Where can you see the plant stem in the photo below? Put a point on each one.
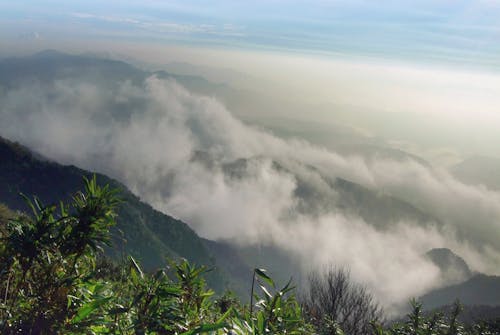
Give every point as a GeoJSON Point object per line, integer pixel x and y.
{"type": "Point", "coordinates": [251, 293]}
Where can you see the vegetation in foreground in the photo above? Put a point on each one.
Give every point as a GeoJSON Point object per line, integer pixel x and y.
{"type": "Point", "coordinates": [54, 279]}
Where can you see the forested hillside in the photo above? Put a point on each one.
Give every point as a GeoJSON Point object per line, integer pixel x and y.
{"type": "Point", "coordinates": [141, 231]}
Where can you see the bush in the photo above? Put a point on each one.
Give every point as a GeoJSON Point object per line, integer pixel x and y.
{"type": "Point", "coordinates": [55, 280]}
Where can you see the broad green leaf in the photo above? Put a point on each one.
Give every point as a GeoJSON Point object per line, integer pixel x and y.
{"type": "Point", "coordinates": [88, 308]}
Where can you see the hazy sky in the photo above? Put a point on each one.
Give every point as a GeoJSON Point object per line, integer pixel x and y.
{"type": "Point", "coordinates": [465, 32]}
{"type": "Point", "coordinates": [423, 75]}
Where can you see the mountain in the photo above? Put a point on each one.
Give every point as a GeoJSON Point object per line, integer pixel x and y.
{"type": "Point", "coordinates": [233, 266]}
{"type": "Point", "coordinates": [146, 234]}
{"type": "Point", "coordinates": [49, 67]}
{"type": "Point", "coordinates": [382, 210]}
{"type": "Point", "coordinates": [237, 263]}
{"type": "Point", "coordinates": [479, 293]}
{"type": "Point", "coordinates": [352, 199]}
{"type": "Point", "coordinates": [453, 268]}
{"type": "Point", "coordinates": [478, 290]}
{"type": "Point", "coordinates": [379, 209]}
{"type": "Point", "coordinates": [141, 231]}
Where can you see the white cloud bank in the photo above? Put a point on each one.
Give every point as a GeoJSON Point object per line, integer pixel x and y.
{"type": "Point", "coordinates": [153, 143]}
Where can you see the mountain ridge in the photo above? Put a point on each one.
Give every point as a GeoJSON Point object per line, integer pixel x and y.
{"type": "Point", "coordinates": [143, 232]}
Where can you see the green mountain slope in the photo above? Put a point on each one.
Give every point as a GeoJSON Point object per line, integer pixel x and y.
{"type": "Point", "coordinates": [146, 234]}
{"type": "Point", "coordinates": [479, 293]}
{"type": "Point", "coordinates": [233, 266]}
{"type": "Point", "coordinates": [478, 290]}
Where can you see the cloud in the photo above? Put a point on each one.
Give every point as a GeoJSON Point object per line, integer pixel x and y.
{"type": "Point", "coordinates": [189, 157]}
{"type": "Point", "coordinates": [153, 25]}
{"type": "Point", "coordinates": [32, 35]}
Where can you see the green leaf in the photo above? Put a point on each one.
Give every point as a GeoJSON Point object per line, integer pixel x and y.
{"type": "Point", "coordinates": [88, 308]}
{"type": "Point", "coordinates": [287, 287]}
{"type": "Point", "coordinates": [260, 323]}
{"type": "Point", "coordinates": [261, 273]}
{"type": "Point", "coordinates": [225, 315]}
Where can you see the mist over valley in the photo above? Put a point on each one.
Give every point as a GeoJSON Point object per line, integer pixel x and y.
{"type": "Point", "coordinates": [370, 208]}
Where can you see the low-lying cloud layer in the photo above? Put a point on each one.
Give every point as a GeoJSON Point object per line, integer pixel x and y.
{"type": "Point", "coordinates": [189, 157]}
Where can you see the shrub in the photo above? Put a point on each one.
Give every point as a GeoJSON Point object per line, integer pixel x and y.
{"type": "Point", "coordinates": [55, 280]}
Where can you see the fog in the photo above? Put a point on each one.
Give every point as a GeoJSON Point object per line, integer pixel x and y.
{"type": "Point", "coordinates": [190, 157]}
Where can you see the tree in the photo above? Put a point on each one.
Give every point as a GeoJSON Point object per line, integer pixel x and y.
{"type": "Point", "coordinates": [332, 300]}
